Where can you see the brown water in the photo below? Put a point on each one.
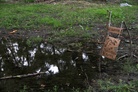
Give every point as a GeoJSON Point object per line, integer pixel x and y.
{"type": "Point", "coordinates": [63, 70]}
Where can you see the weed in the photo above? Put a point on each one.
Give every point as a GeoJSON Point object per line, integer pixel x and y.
{"type": "Point", "coordinates": [55, 89]}
{"type": "Point", "coordinates": [89, 89]}
{"type": "Point", "coordinates": [24, 89]}
{"type": "Point", "coordinates": [107, 85]}
{"type": "Point", "coordinates": [76, 90]}
{"type": "Point", "coordinates": [128, 67]}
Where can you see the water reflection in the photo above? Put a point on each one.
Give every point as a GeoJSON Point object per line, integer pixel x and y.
{"type": "Point", "coordinates": [53, 69]}
{"type": "Point", "coordinates": [62, 68]}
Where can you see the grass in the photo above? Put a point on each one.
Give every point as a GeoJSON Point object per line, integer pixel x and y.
{"type": "Point", "coordinates": [64, 20]}
{"type": "Point", "coordinates": [129, 67]}
{"type": "Point", "coordinates": [33, 40]}
{"type": "Point", "coordinates": [70, 21]}
{"type": "Point", "coordinates": [59, 16]}
{"type": "Point", "coordinates": [107, 85]}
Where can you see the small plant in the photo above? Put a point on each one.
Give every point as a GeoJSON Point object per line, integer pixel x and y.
{"type": "Point", "coordinates": [33, 40]}
{"type": "Point", "coordinates": [55, 89]}
{"type": "Point", "coordinates": [24, 89]}
{"type": "Point", "coordinates": [128, 67]}
{"type": "Point", "coordinates": [76, 90]}
{"type": "Point", "coordinates": [90, 89]}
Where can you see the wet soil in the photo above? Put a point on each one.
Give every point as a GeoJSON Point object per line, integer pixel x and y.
{"type": "Point", "coordinates": [75, 66]}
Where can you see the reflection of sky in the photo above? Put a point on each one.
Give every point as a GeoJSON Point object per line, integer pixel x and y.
{"type": "Point", "coordinates": [15, 46]}
{"type": "Point", "coordinates": [2, 69]}
{"type": "Point", "coordinates": [25, 63]}
{"type": "Point", "coordinates": [2, 63]}
{"type": "Point", "coordinates": [53, 69]}
{"type": "Point", "coordinates": [23, 60]}
{"type": "Point", "coordinates": [41, 45]}
{"type": "Point", "coordinates": [50, 48]}
{"type": "Point", "coordinates": [9, 51]}
{"type": "Point", "coordinates": [32, 52]}
{"type": "Point", "coordinates": [84, 56]}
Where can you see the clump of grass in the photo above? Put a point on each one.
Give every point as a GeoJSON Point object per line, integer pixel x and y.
{"type": "Point", "coordinates": [33, 40]}
{"type": "Point", "coordinates": [129, 67]}
{"type": "Point", "coordinates": [24, 89]}
{"type": "Point", "coordinates": [51, 22]}
{"type": "Point", "coordinates": [107, 85]}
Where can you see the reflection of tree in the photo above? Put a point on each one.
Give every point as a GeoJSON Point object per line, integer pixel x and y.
{"type": "Point", "coordinates": [2, 56]}
{"type": "Point", "coordinates": [72, 68]}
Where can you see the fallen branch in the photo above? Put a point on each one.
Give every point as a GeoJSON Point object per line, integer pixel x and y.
{"type": "Point", "coordinates": [135, 56]}
{"type": "Point", "coordinates": [21, 76]}
{"type": "Point", "coordinates": [130, 40]}
{"type": "Point", "coordinates": [127, 55]}
{"type": "Point", "coordinates": [123, 56]}
{"type": "Point", "coordinates": [87, 52]}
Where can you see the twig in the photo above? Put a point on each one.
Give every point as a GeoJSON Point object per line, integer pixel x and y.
{"type": "Point", "coordinates": [135, 56]}
{"type": "Point", "coordinates": [87, 52]}
{"type": "Point", "coordinates": [109, 18]}
{"type": "Point", "coordinates": [123, 56]}
{"type": "Point", "coordinates": [130, 40]}
{"type": "Point", "coordinates": [21, 76]}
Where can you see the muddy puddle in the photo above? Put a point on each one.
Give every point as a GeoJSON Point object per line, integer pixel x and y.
{"type": "Point", "coordinates": [62, 69]}
{"type": "Point", "coordinates": [38, 66]}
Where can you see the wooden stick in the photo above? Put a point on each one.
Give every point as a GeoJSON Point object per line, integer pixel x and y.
{"type": "Point", "coordinates": [123, 56]}
{"type": "Point", "coordinates": [109, 20]}
{"type": "Point", "coordinates": [21, 76]}
{"type": "Point", "coordinates": [129, 39]}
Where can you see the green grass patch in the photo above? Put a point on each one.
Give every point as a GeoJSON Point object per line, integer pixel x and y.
{"type": "Point", "coordinates": [107, 85]}
{"type": "Point", "coordinates": [30, 16]}
{"type": "Point", "coordinates": [129, 67]}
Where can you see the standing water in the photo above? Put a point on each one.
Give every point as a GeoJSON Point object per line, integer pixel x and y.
{"type": "Point", "coordinates": [63, 70]}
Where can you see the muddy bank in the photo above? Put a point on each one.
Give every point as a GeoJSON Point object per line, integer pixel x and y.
{"type": "Point", "coordinates": [67, 65]}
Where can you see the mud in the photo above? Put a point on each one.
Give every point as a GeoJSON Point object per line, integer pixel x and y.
{"type": "Point", "coordinates": [66, 66]}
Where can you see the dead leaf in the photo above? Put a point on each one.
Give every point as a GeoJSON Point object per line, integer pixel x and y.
{"type": "Point", "coordinates": [13, 31]}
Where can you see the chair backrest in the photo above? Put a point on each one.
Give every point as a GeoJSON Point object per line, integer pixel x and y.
{"type": "Point", "coordinates": [114, 30]}
{"type": "Point", "coordinates": [111, 29]}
